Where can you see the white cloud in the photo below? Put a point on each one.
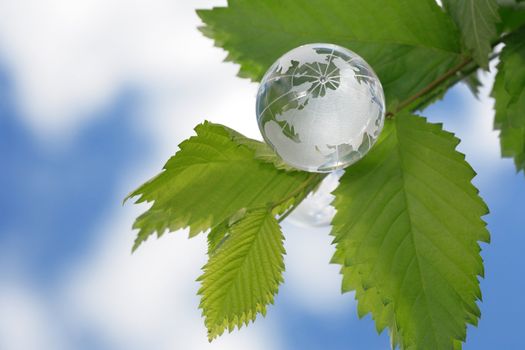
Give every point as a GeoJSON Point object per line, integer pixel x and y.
{"type": "Point", "coordinates": [24, 320]}
{"type": "Point", "coordinates": [71, 58]}
{"type": "Point", "coordinates": [311, 281]}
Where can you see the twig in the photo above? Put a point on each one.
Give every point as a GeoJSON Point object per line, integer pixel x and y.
{"type": "Point", "coordinates": [448, 74]}
{"type": "Point", "coordinates": [451, 72]}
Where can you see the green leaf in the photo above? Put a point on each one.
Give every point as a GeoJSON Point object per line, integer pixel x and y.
{"type": "Point", "coordinates": [262, 151]}
{"type": "Point", "coordinates": [219, 233]}
{"type": "Point", "coordinates": [211, 179]}
{"type": "Point", "coordinates": [509, 92]}
{"type": "Point", "coordinates": [408, 43]}
{"type": "Point", "coordinates": [406, 230]}
{"type": "Point", "coordinates": [512, 14]}
{"type": "Point", "coordinates": [244, 273]}
{"type": "Point", "coordinates": [477, 21]}
{"type": "Point", "coordinates": [473, 83]}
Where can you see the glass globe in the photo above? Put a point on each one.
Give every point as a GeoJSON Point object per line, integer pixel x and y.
{"type": "Point", "coordinates": [320, 107]}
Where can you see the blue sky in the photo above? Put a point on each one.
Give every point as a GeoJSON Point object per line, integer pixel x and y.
{"type": "Point", "coordinates": [83, 123]}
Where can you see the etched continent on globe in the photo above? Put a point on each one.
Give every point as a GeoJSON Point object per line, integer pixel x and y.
{"type": "Point", "coordinates": [320, 107]}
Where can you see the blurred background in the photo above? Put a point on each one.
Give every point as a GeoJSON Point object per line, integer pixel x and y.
{"type": "Point", "coordinates": [94, 97]}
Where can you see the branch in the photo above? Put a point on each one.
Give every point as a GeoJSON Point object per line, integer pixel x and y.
{"type": "Point", "coordinates": [459, 77]}
{"type": "Point", "coordinates": [311, 183]}
{"type": "Point", "coordinates": [447, 75]}
{"type": "Point", "coordinates": [430, 86]}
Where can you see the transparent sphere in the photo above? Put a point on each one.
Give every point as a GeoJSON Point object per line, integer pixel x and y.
{"type": "Point", "coordinates": [320, 107]}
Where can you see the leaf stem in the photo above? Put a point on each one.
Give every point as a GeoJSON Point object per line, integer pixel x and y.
{"type": "Point", "coordinates": [447, 75]}
{"type": "Point", "coordinates": [430, 86]}
{"type": "Point", "coordinates": [459, 77]}
{"type": "Point", "coordinates": [290, 210]}
{"type": "Point", "coordinates": [312, 181]}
